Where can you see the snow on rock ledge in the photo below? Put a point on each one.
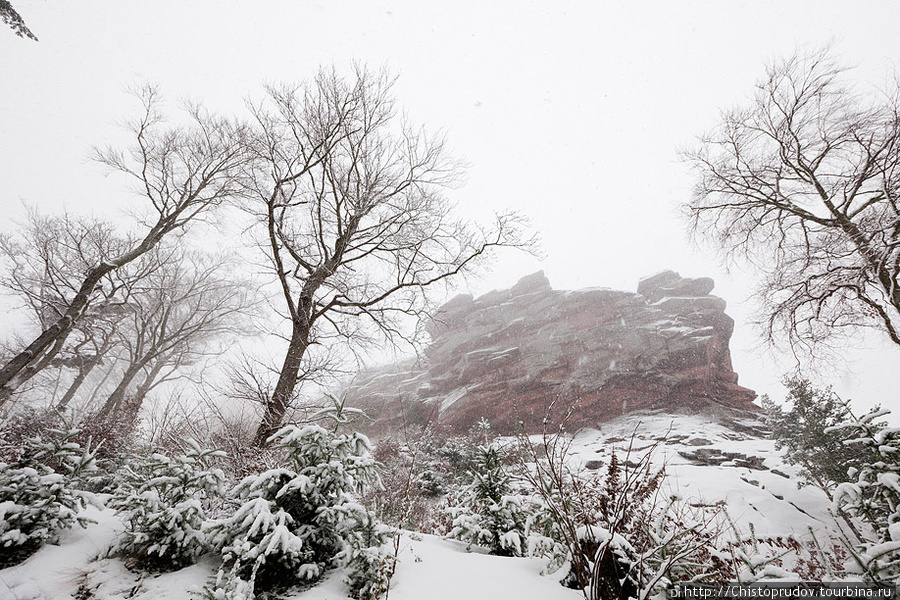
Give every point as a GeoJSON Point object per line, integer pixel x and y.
{"type": "Point", "coordinates": [508, 354]}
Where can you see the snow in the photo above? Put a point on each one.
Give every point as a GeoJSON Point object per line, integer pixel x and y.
{"type": "Point", "coordinates": [451, 398]}
{"type": "Point", "coordinates": [890, 480]}
{"type": "Point", "coordinates": [773, 504]}
{"type": "Point", "coordinates": [428, 567]}
{"type": "Point", "coordinates": [438, 569]}
{"type": "Point", "coordinates": [108, 579]}
{"type": "Point", "coordinates": [411, 380]}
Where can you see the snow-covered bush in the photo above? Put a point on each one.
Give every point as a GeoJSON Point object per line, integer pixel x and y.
{"type": "Point", "coordinates": [490, 507]}
{"type": "Point", "coordinates": [681, 541]}
{"type": "Point", "coordinates": [873, 496]}
{"type": "Point", "coordinates": [622, 539]}
{"type": "Point", "coordinates": [806, 430]}
{"type": "Point", "coordinates": [295, 522]}
{"type": "Point", "coordinates": [499, 526]}
{"type": "Point", "coordinates": [38, 494]}
{"type": "Point", "coordinates": [163, 503]}
{"type": "Point", "coordinates": [400, 500]}
{"type": "Point", "coordinates": [491, 513]}
{"type": "Point", "coordinates": [21, 431]}
{"type": "Point", "coordinates": [420, 474]}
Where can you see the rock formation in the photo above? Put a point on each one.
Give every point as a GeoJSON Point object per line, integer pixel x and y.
{"type": "Point", "coordinates": [594, 353]}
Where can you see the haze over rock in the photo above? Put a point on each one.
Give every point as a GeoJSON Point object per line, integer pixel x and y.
{"type": "Point", "coordinates": [597, 353]}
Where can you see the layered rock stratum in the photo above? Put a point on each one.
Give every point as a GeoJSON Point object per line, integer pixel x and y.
{"type": "Point", "coordinates": [584, 356]}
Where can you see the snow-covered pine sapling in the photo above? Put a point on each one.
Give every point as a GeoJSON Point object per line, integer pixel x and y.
{"type": "Point", "coordinates": [163, 502]}
{"type": "Point", "coordinates": [873, 496]}
{"type": "Point", "coordinates": [38, 494]}
{"type": "Point", "coordinates": [488, 514]}
{"type": "Point", "coordinates": [338, 414]}
{"type": "Point", "coordinates": [807, 430]}
{"type": "Point", "coordinates": [293, 523]}
{"type": "Point", "coordinates": [494, 510]}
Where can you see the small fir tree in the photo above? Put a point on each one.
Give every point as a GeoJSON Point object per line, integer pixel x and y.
{"type": "Point", "coordinates": [873, 495]}
{"type": "Point", "coordinates": [492, 512]}
{"type": "Point", "coordinates": [807, 431]}
{"type": "Point", "coordinates": [38, 494]}
{"type": "Point", "coordinates": [296, 522]}
{"type": "Point", "coordinates": [163, 502]}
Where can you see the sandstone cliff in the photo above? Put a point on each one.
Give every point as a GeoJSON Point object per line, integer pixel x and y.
{"type": "Point", "coordinates": [598, 353]}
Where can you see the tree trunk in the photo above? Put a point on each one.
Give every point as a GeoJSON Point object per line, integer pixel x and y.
{"type": "Point", "coordinates": [84, 369]}
{"type": "Point", "coordinates": [131, 408]}
{"type": "Point", "coordinates": [24, 365]}
{"type": "Point", "coordinates": [115, 400]}
{"type": "Point", "coordinates": [278, 404]}
{"type": "Point", "coordinates": [27, 363]}
{"type": "Point", "coordinates": [97, 388]}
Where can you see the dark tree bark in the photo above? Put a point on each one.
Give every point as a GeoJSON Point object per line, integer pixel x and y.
{"type": "Point", "coordinates": [150, 379]}
{"type": "Point", "coordinates": [116, 399]}
{"type": "Point", "coordinates": [353, 220]}
{"type": "Point", "coordinates": [182, 172]}
{"type": "Point", "coordinates": [127, 407]}
{"type": "Point", "coordinates": [803, 184]}
{"type": "Point", "coordinates": [85, 367]}
{"type": "Point", "coordinates": [283, 394]}
{"type": "Point", "coordinates": [24, 365]}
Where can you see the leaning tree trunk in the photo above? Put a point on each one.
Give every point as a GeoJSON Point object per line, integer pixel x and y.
{"type": "Point", "coordinates": [99, 387]}
{"type": "Point", "coordinates": [303, 317]}
{"type": "Point", "coordinates": [28, 362]}
{"type": "Point", "coordinates": [116, 399]}
{"type": "Point", "coordinates": [84, 369]}
{"type": "Point", "coordinates": [277, 405]}
{"type": "Point", "coordinates": [128, 413]}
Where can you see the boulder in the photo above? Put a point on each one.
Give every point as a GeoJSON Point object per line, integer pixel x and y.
{"type": "Point", "coordinates": [668, 284]}
{"type": "Point", "coordinates": [593, 355]}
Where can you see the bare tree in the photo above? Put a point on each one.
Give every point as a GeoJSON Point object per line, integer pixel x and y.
{"type": "Point", "coordinates": [804, 183]}
{"type": "Point", "coordinates": [181, 171]}
{"type": "Point", "coordinates": [86, 362]}
{"type": "Point", "coordinates": [43, 264]}
{"type": "Point", "coordinates": [45, 257]}
{"type": "Point", "coordinates": [185, 305]}
{"type": "Point", "coordinates": [252, 380]}
{"type": "Point", "coordinates": [348, 200]}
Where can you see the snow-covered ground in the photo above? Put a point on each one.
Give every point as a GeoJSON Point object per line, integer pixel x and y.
{"type": "Point", "coordinates": [765, 493]}
{"type": "Point", "coordinates": [752, 481]}
{"type": "Point", "coordinates": [436, 569]}
{"type": "Point", "coordinates": [428, 567]}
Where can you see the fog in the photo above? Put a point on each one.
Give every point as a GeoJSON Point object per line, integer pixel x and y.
{"type": "Point", "coordinates": [572, 113]}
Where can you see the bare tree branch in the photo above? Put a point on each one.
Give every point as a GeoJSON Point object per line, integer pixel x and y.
{"type": "Point", "coordinates": [180, 173]}
{"type": "Point", "coordinates": [803, 184]}
{"type": "Point", "coordinates": [356, 224]}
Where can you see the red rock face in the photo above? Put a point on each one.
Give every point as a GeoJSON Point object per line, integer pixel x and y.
{"type": "Point", "coordinates": [593, 354]}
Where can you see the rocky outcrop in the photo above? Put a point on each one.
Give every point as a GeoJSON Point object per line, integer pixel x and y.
{"type": "Point", "coordinates": [594, 354]}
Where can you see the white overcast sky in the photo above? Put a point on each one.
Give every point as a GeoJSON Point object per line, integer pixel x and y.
{"type": "Point", "coordinates": [571, 112]}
